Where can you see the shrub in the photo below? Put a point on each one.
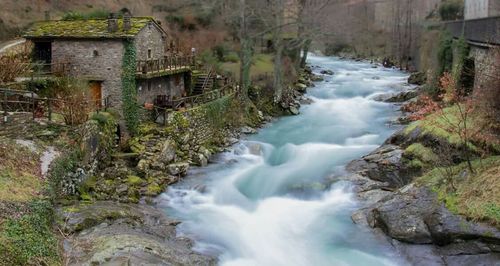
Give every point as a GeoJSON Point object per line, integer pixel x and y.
{"type": "Point", "coordinates": [231, 57]}
{"type": "Point", "coordinates": [29, 240]}
{"type": "Point", "coordinates": [73, 102]}
{"type": "Point", "coordinates": [15, 64]}
{"type": "Point", "coordinates": [451, 10]}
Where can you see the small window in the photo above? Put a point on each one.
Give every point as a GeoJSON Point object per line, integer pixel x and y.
{"type": "Point", "coordinates": [149, 53]}
{"type": "Point", "coordinates": [95, 53]}
{"type": "Point", "coordinates": [149, 85]}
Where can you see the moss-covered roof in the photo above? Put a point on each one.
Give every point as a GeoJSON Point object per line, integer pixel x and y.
{"type": "Point", "coordinates": [90, 28]}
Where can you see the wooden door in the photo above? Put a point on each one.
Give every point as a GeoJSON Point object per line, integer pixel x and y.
{"type": "Point", "coordinates": [96, 93]}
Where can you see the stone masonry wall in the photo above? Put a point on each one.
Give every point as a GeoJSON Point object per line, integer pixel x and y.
{"type": "Point", "coordinates": [172, 85]}
{"type": "Point", "coordinates": [98, 60]}
{"type": "Point", "coordinates": [150, 38]}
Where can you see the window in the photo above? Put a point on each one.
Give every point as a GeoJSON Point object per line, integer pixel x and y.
{"type": "Point", "coordinates": [149, 85]}
{"type": "Point", "coordinates": [149, 53]}
{"type": "Point", "coordinates": [95, 53]}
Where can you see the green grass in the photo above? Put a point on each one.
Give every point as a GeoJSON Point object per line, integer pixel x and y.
{"type": "Point", "coordinates": [474, 195]}
{"type": "Point", "coordinates": [20, 177]}
{"type": "Point", "coordinates": [444, 125]}
{"type": "Point", "coordinates": [261, 64]}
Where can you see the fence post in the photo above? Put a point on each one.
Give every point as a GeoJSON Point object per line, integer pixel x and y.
{"type": "Point", "coordinates": [33, 104]}
{"type": "Point", "coordinates": [5, 105]}
{"type": "Point", "coordinates": [49, 106]}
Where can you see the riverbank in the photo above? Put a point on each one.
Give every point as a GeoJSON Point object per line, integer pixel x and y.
{"type": "Point", "coordinates": [114, 220]}
{"type": "Point", "coordinates": [417, 190]}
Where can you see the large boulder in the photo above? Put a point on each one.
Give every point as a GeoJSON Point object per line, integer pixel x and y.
{"type": "Point", "coordinates": [178, 169]}
{"type": "Point", "coordinates": [167, 153]}
{"type": "Point", "coordinates": [414, 215]}
{"type": "Point", "coordinates": [109, 233]}
{"type": "Point", "coordinates": [384, 165]}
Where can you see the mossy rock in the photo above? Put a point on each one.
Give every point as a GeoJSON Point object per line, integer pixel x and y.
{"type": "Point", "coordinates": [153, 189]}
{"type": "Point", "coordinates": [134, 180]}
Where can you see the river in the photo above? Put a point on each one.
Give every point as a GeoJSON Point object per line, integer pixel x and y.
{"type": "Point", "coordinates": [265, 202]}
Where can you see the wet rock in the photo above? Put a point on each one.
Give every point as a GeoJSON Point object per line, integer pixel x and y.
{"type": "Point", "coordinates": [327, 72]}
{"type": "Point", "coordinates": [384, 164]}
{"type": "Point", "coordinates": [254, 148]}
{"type": "Point", "coordinates": [294, 110]}
{"type": "Point", "coordinates": [248, 130]}
{"type": "Point", "coordinates": [200, 160]}
{"type": "Point", "coordinates": [177, 169]}
{"type": "Point", "coordinates": [317, 78]}
{"type": "Point", "coordinates": [301, 87]}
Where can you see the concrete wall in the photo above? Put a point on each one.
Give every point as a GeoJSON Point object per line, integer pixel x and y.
{"type": "Point", "coordinates": [148, 89]}
{"type": "Point", "coordinates": [99, 60]}
{"type": "Point", "coordinates": [150, 38]}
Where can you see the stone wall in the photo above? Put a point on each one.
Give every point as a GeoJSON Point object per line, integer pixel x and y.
{"type": "Point", "coordinates": [484, 64]}
{"type": "Point", "coordinates": [150, 38]}
{"type": "Point", "coordinates": [95, 60]}
{"type": "Point", "coordinates": [172, 85]}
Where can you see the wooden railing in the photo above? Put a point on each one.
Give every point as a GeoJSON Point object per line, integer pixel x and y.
{"type": "Point", "coordinates": [29, 102]}
{"type": "Point", "coordinates": [164, 104]}
{"type": "Point", "coordinates": [164, 64]}
{"type": "Point", "coordinates": [53, 69]}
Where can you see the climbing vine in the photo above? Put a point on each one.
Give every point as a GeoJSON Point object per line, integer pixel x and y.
{"type": "Point", "coordinates": [129, 93]}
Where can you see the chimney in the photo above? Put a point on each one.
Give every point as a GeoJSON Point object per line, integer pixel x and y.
{"type": "Point", "coordinates": [127, 22]}
{"type": "Point", "coordinates": [112, 23]}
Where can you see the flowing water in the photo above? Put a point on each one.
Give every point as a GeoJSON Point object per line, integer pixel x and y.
{"type": "Point", "coordinates": [271, 199]}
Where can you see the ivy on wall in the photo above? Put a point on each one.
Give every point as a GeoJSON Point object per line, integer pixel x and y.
{"type": "Point", "coordinates": [129, 92]}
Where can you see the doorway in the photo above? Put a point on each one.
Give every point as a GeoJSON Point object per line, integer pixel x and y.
{"type": "Point", "coordinates": [96, 93]}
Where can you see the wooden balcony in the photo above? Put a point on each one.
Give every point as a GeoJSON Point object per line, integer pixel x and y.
{"type": "Point", "coordinates": [164, 67]}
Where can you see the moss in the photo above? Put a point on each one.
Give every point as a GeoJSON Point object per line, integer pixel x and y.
{"type": "Point", "coordinates": [417, 150]}
{"type": "Point", "coordinates": [153, 189]}
{"type": "Point", "coordinates": [129, 91]}
{"type": "Point", "coordinates": [134, 180]}
{"type": "Point", "coordinates": [90, 28]}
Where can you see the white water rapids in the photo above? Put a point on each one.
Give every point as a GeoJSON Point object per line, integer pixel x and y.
{"type": "Point", "coordinates": [269, 201]}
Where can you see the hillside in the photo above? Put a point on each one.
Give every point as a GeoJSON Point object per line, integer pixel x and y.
{"type": "Point", "coordinates": [15, 16]}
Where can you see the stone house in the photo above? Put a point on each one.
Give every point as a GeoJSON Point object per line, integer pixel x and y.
{"type": "Point", "coordinates": [94, 49]}
{"type": "Point", "coordinates": [475, 9]}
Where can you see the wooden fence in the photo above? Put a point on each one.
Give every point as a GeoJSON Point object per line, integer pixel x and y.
{"type": "Point", "coordinates": [164, 64]}
{"type": "Point", "coordinates": [29, 102]}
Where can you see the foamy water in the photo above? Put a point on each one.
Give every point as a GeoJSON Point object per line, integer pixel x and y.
{"type": "Point", "coordinates": [269, 201]}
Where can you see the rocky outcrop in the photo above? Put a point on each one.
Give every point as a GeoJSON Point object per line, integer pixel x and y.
{"type": "Point", "coordinates": [417, 78]}
{"type": "Point", "coordinates": [384, 165]}
{"type": "Point", "coordinates": [109, 233]}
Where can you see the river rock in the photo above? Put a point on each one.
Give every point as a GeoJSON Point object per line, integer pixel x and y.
{"type": "Point", "coordinates": [200, 160]}
{"type": "Point", "coordinates": [401, 216]}
{"type": "Point", "coordinates": [294, 110]}
{"type": "Point", "coordinates": [178, 169]}
{"type": "Point", "coordinates": [248, 130]}
{"type": "Point", "coordinates": [384, 164]}
{"type": "Point", "coordinates": [327, 72]}
{"type": "Point", "coordinates": [301, 87]}
{"type": "Point", "coordinates": [317, 78]}
{"type": "Point", "coordinates": [109, 233]}
{"type": "Point", "coordinates": [167, 153]}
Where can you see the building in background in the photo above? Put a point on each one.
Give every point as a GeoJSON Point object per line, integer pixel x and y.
{"type": "Point", "coordinates": [481, 8]}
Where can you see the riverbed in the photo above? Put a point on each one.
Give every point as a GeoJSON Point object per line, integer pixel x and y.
{"type": "Point", "coordinates": [273, 200]}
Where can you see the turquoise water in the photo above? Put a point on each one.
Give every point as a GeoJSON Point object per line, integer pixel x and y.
{"type": "Point", "coordinates": [268, 200]}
